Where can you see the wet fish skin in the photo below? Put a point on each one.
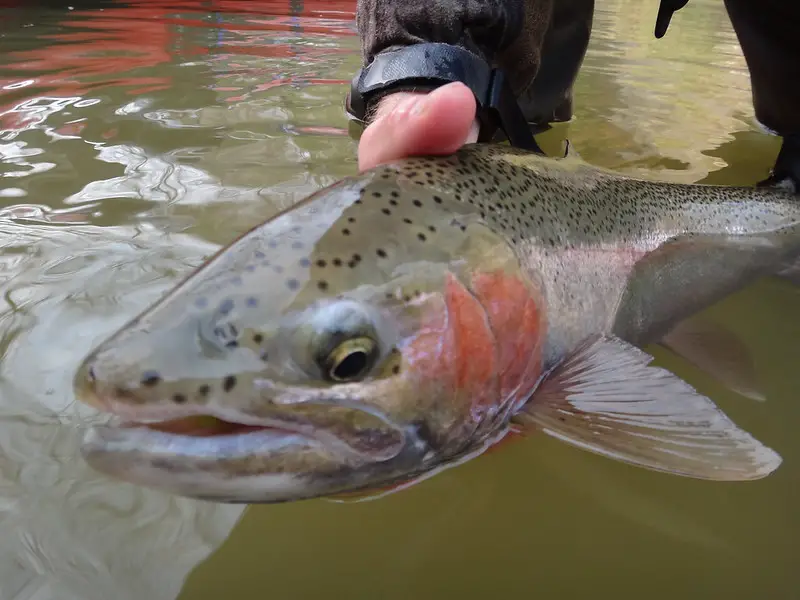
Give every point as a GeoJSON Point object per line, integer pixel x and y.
{"type": "Point", "coordinates": [478, 275]}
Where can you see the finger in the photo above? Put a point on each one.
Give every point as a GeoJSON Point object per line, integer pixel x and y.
{"type": "Point", "coordinates": [411, 124]}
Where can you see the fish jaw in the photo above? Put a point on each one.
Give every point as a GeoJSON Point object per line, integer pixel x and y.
{"type": "Point", "coordinates": [225, 455]}
{"type": "Point", "coordinates": [210, 468]}
{"type": "Point", "coordinates": [264, 465]}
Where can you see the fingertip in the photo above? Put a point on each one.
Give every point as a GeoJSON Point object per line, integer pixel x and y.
{"type": "Point", "coordinates": [443, 122]}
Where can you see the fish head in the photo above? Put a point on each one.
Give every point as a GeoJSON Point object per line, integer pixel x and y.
{"type": "Point", "coordinates": [362, 338]}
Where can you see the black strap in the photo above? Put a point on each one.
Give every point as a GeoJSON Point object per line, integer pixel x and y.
{"type": "Point", "coordinates": [425, 67]}
{"type": "Point", "coordinates": [665, 11]}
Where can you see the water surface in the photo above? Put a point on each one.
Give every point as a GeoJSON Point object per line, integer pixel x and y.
{"type": "Point", "coordinates": [135, 138]}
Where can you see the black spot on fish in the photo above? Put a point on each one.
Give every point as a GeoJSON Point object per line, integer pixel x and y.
{"type": "Point", "coordinates": [345, 231]}
{"type": "Point", "coordinates": [417, 203]}
{"type": "Point", "coordinates": [179, 398]}
{"type": "Point", "coordinates": [337, 262]}
{"type": "Point", "coordinates": [437, 199]}
{"type": "Point", "coordinates": [258, 338]}
{"type": "Point", "coordinates": [292, 284]}
{"type": "Point", "coordinates": [251, 302]}
{"type": "Point", "coordinates": [321, 263]}
{"type": "Point", "coordinates": [226, 307]}
{"type": "Point", "coordinates": [201, 302]}
{"type": "Point", "coordinates": [229, 383]}
{"type": "Point", "coordinates": [259, 254]}
{"type": "Point", "coordinates": [204, 390]}
{"type": "Point", "coordinates": [304, 262]}
{"type": "Point", "coordinates": [322, 285]}
{"type": "Point", "coordinates": [396, 369]}
{"type": "Point", "coordinates": [297, 245]}
{"type": "Point", "coordinates": [386, 211]}
{"type": "Point", "coordinates": [376, 194]}
{"type": "Point", "coordinates": [381, 252]}
{"type": "Point", "coordinates": [150, 378]}
{"type": "Point", "coordinates": [421, 237]}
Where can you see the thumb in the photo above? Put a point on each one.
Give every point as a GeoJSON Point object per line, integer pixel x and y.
{"type": "Point", "coordinates": [410, 124]}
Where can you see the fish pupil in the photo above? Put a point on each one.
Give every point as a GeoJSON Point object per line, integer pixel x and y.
{"type": "Point", "coordinates": [351, 366]}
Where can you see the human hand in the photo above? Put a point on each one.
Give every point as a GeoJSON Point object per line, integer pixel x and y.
{"type": "Point", "coordinates": [411, 124]}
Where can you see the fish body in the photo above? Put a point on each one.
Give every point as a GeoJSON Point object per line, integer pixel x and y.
{"type": "Point", "coordinates": [403, 320]}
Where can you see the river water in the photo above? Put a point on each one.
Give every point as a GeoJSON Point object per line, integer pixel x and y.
{"type": "Point", "coordinates": [136, 138]}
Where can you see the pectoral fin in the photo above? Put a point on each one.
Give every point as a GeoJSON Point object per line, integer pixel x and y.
{"type": "Point", "coordinates": [718, 352]}
{"type": "Point", "coordinates": [606, 399]}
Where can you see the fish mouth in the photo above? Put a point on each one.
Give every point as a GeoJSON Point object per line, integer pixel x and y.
{"type": "Point", "coordinates": [375, 441]}
{"type": "Point", "coordinates": [227, 456]}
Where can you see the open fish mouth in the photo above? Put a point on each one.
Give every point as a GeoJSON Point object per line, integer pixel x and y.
{"type": "Point", "coordinates": [223, 454]}
{"type": "Point", "coordinates": [208, 431]}
{"type": "Point", "coordinates": [197, 426]}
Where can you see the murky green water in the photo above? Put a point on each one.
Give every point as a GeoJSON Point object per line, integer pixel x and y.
{"type": "Point", "coordinates": [134, 140]}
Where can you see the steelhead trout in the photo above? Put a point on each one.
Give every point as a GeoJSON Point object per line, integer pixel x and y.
{"type": "Point", "coordinates": [404, 320]}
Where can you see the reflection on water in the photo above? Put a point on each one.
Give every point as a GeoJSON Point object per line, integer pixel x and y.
{"type": "Point", "coordinates": [134, 139]}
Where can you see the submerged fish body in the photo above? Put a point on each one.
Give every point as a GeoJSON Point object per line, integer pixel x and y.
{"type": "Point", "coordinates": [403, 320]}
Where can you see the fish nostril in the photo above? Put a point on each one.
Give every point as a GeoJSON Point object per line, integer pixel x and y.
{"type": "Point", "coordinates": [150, 378]}
{"type": "Point", "coordinates": [86, 387]}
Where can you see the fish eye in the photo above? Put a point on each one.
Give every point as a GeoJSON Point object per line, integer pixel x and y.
{"type": "Point", "coordinates": [337, 341]}
{"type": "Point", "coordinates": [351, 359]}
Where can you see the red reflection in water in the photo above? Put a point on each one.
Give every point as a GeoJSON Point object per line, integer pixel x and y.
{"type": "Point", "coordinates": [98, 49]}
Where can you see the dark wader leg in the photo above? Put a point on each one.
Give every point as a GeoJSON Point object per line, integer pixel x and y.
{"type": "Point", "coordinates": [549, 98]}
{"type": "Point", "coordinates": [769, 34]}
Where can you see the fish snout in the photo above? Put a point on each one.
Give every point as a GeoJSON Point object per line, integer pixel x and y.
{"type": "Point", "coordinates": [110, 385]}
